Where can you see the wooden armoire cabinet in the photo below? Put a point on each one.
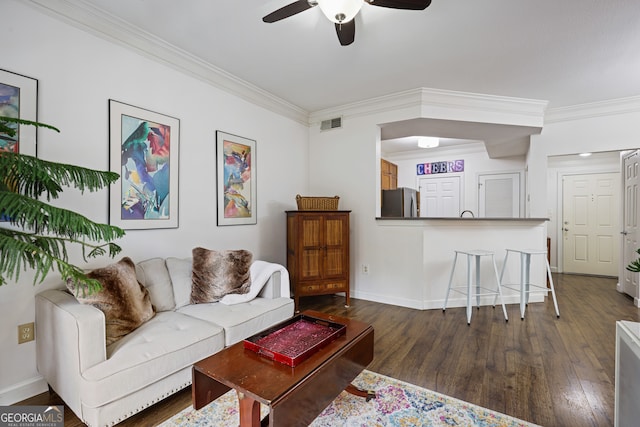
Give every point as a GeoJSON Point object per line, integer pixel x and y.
{"type": "Point", "coordinates": [318, 253]}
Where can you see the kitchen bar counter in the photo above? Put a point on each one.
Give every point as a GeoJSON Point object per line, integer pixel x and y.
{"type": "Point", "coordinates": [414, 270]}
{"type": "Point", "coordinates": [455, 218]}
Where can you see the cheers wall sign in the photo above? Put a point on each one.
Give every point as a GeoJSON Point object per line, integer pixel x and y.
{"type": "Point", "coordinates": [440, 167]}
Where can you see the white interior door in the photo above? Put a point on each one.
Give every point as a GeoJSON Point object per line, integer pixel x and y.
{"type": "Point", "coordinates": [590, 223]}
{"type": "Point", "coordinates": [499, 195]}
{"type": "Point", "coordinates": [630, 231]}
{"type": "Point", "coordinates": [439, 196]}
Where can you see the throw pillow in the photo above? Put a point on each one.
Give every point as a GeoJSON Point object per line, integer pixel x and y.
{"type": "Point", "coordinates": [125, 302]}
{"type": "Point", "coordinates": [153, 275]}
{"type": "Point", "coordinates": [180, 273]}
{"type": "Point", "coordinates": [219, 273]}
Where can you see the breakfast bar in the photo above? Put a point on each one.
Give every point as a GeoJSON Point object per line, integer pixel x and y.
{"type": "Point", "coordinates": [431, 244]}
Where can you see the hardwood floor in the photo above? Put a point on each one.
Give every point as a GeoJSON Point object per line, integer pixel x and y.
{"type": "Point", "coordinates": [549, 371]}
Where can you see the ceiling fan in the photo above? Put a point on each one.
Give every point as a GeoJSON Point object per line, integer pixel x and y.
{"type": "Point", "coordinates": [342, 12]}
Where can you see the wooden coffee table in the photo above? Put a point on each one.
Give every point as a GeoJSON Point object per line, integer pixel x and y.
{"type": "Point", "coordinates": [295, 396]}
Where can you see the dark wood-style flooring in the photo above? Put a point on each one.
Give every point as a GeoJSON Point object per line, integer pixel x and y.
{"type": "Point", "coordinates": [549, 371]}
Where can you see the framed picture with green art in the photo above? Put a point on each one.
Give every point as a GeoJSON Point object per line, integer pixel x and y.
{"type": "Point", "coordinates": [236, 179]}
{"type": "Point", "coordinates": [144, 148]}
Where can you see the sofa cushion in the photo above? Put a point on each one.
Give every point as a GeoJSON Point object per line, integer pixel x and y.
{"type": "Point", "coordinates": [168, 343]}
{"type": "Point", "coordinates": [154, 276]}
{"type": "Point", "coordinates": [125, 302]}
{"type": "Point", "coordinates": [219, 273]}
{"type": "Point", "coordinates": [180, 273]}
{"type": "Point", "coordinates": [243, 320]}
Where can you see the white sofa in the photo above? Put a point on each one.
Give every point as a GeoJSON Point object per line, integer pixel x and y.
{"type": "Point", "coordinates": [104, 385]}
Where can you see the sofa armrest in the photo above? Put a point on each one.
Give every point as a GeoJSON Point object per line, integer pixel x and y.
{"type": "Point", "coordinates": [277, 286]}
{"type": "Point", "coordinates": [272, 288]}
{"type": "Point", "coordinates": [71, 339]}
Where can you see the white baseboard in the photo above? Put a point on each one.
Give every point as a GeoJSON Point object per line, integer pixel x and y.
{"type": "Point", "coordinates": [437, 304]}
{"type": "Point", "coordinates": [23, 390]}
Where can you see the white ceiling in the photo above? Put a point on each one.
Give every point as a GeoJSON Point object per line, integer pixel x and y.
{"type": "Point", "coordinates": [567, 52]}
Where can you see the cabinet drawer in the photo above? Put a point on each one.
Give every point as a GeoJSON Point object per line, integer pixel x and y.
{"type": "Point", "coordinates": [321, 288]}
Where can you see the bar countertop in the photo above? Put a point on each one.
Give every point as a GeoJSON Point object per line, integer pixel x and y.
{"type": "Point", "coordinates": [454, 218]}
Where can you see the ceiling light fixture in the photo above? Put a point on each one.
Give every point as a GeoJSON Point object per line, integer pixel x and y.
{"type": "Point", "coordinates": [340, 11]}
{"type": "Point", "coordinates": [584, 154]}
{"type": "Point", "coordinates": [428, 141]}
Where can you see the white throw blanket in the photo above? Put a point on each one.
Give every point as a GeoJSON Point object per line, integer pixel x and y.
{"type": "Point", "coordinates": [260, 272]}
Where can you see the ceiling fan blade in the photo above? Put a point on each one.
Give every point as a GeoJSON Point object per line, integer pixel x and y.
{"type": "Point", "coordinates": [401, 4]}
{"type": "Point", "coordinates": [287, 11]}
{"type": "Point", "coordinates": [346, 32]}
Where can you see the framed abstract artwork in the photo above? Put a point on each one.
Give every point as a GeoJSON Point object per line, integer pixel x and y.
{"type": "Point", "coordinates": [19, 99]}
{"type": "Point", "coordinates": [236, 179]}
{"type": "Point", "coordinates": [144, 150]}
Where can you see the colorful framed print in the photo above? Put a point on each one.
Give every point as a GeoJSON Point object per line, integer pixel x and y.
{"type": "Point", "coordinates": [144, 150]}
{"type": "Point", "coordinates": [236, 179]}
{"type": "Point", "coordinates": [19, 99]}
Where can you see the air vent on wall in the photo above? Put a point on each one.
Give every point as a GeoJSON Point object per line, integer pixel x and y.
{"type": "Point", "coordinates": [331, 124]}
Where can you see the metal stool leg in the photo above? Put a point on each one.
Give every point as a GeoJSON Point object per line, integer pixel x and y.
{"type": "Point", "coordinates": [504, 267]}
{"type": "Point", "coordinates": [477, 281]}
{"type": "Point", "coordinates": [553, 290]}
{"type": "Point", "coordinates": [499, 285]}
{"type": "Point", "coordinates": [524, 284]}
{"type": "Point", "coordinates": [453, 269]}
{"type": "Point", "coordinates": [469, 289]}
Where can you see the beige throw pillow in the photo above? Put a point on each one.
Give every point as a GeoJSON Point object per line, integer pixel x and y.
{"type": "Point", "coordinates": [125, 302]}
{"type": "Point", "coordinates": [219, 273]}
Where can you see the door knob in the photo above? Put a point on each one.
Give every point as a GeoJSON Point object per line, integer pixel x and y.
{"type": "Point", "coordinates": [565, 229]}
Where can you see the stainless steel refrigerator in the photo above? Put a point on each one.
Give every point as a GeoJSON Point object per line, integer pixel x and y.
{"type": "Point", "coordinates": [401, 202]}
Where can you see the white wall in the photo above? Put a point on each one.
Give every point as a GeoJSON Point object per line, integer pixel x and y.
{"type": "Point", "coordinates": [77, 74]}
{"type": "Point", "coordinates": [476, 161]}
{"type": "Point", "coordinates": [345, 162]}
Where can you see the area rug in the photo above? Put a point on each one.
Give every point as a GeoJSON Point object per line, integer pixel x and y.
{"type": "Point", "coordinates": [397, 403]}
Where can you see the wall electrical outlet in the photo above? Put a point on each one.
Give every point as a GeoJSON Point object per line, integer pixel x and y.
{"type": "Point", "coordinates": [26, 332]}
{"type": "Point", "coordinates": [365, 268]}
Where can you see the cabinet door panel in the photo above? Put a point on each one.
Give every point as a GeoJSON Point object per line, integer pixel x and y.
{"type": "Point", "coordinates": [334, 265]}
{"type": "Point", "coordinates": [311, 232]}
{"type": "Point", "coordinates": [334, 232]}
{"type": "Point", "coordinates": [311, 267]}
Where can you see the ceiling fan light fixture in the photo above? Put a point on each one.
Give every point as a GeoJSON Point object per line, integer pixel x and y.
{"type": "Point", "coordinates": [340, 11]}
{"type": "Point", "coordinates": [428, 141]}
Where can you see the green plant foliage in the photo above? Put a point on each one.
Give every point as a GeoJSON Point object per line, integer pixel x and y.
{"type": "Point", "coordinates": [36, 233]}
{"type": "Point", "coordinates": [635, 265]}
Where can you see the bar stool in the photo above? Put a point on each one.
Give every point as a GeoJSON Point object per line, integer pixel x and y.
{"type": "Point", "coordinates": [475, 254]}
{"type": "Point", "coordinates": [525, 287]}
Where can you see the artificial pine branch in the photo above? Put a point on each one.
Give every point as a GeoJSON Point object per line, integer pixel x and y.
{"type": "Point", "coordinates": [38, 232]}
{"type": "Point", "coordinates": [635, 265]}
{"type": "Point", "coordinates": [32, 177]}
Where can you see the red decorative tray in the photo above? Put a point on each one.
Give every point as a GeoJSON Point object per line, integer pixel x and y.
{"type": "Point", "coordinates": [295, 340]}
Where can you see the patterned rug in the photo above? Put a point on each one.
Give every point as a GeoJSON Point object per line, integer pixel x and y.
{"type": "Point", "coordinates": [397, 404]}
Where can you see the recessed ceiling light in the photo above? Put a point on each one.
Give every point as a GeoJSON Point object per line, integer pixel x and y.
{"type": "Point", "coordinates": [428, 141]}
{"type": "Point", "coordinates": [584, 154]}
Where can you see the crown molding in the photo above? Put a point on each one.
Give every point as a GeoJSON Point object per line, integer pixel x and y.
{"type": "Point", "coordinates": [427, 100]}
{"type": "Point", "coordinates": [89, 18]}
{"type": "Point", "coordinates": [593, 109]}
{"type": "Point", "coordinates": [381, 104]}
{"type": "Point", "coordinates": [457, 150]}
